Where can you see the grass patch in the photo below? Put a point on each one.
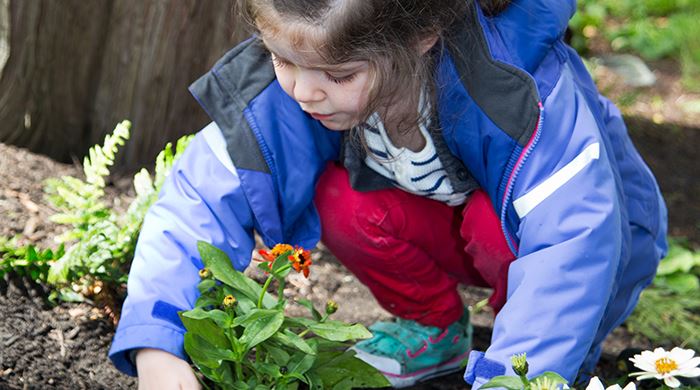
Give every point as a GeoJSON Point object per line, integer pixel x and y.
{"type": "Point", "coordinates": [668, 312]}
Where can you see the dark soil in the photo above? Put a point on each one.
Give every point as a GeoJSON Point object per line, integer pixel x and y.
{"type": "Point", "coordinates": [65, 346]}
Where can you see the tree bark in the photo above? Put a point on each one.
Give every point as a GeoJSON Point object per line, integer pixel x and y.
{"type": "Point", "coordinates": [77, 67]}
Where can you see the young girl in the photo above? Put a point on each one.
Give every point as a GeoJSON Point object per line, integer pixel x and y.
{"type": "Point", "coordinates": [429, 143]}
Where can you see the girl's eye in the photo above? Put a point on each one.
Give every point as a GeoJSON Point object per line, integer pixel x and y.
{"type": "Point", "coordinates": [341, 80]}
{"type": "Point", "coordinates": [281, 63]}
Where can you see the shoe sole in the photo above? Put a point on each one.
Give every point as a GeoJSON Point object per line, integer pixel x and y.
{"type": "Point", "coordinates": [406, 380]}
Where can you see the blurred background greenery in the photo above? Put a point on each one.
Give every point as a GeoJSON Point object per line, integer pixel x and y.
{"type": "Point", "coordinates": [652, 29]}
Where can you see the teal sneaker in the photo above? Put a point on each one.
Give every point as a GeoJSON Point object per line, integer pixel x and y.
{"type": "Point", "coordinates": [407, 352]}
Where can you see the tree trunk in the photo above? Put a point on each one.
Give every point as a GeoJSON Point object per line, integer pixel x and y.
{"type": "Point", "coordinates": [76, 68]}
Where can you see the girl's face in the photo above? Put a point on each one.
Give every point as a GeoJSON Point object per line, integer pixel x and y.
{"type": "Point", "coordinates": [332, 94]}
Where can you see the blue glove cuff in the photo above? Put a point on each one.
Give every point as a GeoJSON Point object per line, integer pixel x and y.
{"type": "Point", "coordinates": [480, 366]}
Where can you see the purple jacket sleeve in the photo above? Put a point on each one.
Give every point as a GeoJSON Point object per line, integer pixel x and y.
{"type": "Point", "coordinates": [200, 200]}
{"type": "Point", "coordinates": [571, 238]}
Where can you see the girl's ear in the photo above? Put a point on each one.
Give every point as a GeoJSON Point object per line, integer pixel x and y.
{"type": "Point", "coordinates": [427, 43]}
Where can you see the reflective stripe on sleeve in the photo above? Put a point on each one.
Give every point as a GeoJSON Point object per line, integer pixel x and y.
{"type": "Point", "coordinates": [537, 195]}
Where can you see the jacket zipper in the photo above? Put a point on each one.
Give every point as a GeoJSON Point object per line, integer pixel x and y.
{"type": "Point", "coordinates": [514, 174]}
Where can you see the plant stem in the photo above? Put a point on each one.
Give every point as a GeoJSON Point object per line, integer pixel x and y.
{"type": "Point", "coordinates": [269, 280]}
{"type": "Point", "coordinates": [239, 371]}
{"type": "Point", "coordinates": [526, 382]}
{"type": "Point", "coordinates": [280, 291]}
{"type": "Point", "coordinates": [264, 290]}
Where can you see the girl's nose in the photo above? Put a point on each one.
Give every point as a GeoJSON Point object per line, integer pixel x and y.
{"type": "Point", "coordinates": [307, 88]}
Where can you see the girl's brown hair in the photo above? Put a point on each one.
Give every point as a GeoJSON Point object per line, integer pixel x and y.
{"type": "Point", "coordinates": [386, 33]}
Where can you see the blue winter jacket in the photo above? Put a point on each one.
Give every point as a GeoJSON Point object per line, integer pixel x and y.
{"type": "Point", "coordinates": [578, 206]}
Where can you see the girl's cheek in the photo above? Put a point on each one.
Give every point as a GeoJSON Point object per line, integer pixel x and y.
{"type": "Point", "coordinates": [286, 82]}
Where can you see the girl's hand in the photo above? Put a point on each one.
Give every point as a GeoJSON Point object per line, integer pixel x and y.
{"type": "Point", "coordinates": [158, 369]}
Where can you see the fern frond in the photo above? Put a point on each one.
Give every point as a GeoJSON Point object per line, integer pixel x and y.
{"type": "Point", "coordinates": [166, 159]}
{"type": "Point", "coordinates": [104, 241]}
{"type": "Point", "coordinates": [101, 157]}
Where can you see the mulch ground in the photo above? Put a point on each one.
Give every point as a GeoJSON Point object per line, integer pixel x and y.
{"type": "Point", "coordinates": [65, 346]}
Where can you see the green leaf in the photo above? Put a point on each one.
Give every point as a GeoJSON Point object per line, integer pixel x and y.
{"type": "Point", "coordinates": [298, 322]}
{"type": "Point", "coordinates": [47, 255]}
{"type": "Point", "coordinates": [260, 325]}
{"type": "Point", "coordinates": [309, 305]}
{"type": "Point", "coordinates": [205, 328]}
{"type": "Point", "coordinates": [68, 295]}
{"type": "Point", "coordinates": [291, 339]}
{"type": "Point", "coordinates": [206, 285]}
{"type": "Point", "coordinates": [280, 262]}
{"type": "Point", "coordinates": [221, 318]}
{"type": "Point", "coordinates": [204, 353]}
{"type": "Point", "coordinates": [58, 273]}
{"type": "Point", "coordinates": [264, 266]}
{"type": "Point", "coordinates": [31, 253]}
{"type": "Point", "coordinates": [239, 385]}
{"type": "Point", "coordinates": [207, 301]}
{"type": "Point", "coordinates": [314, 380]}
{"type": "Point", "coordinates": [278, 355]}
{"type": "Point", "coordinates": [340, 331]}
{"type": "Point", "coordinates": [679, 259]}
{"type": "Point", "coordinates": [680, 283]}
{"type": "Point", "coordinates": [336, 368]}
{"type": "Point", "coordinates": [344, 384]}
{"type": "Point", "coordinates": [269, 369]}
{"type": "Point", "coordinates": [508, 382]}
{"type": "Point", "coordinates": [60, 251]}
{"type": "Point", "coordinates": [244, 305]}
{"type": "Point", "coordinates": [220, 265]}
{"type": "Point", "coordinates": [300, 363]}
{"type": "Point", "coordinates": [294, 385]}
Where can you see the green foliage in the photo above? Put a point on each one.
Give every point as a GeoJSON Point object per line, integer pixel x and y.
{"type": "Point", "coordinates": [653, 29]}
{"type": "Point", "coordinates": [668, 311]}
{"type": "Point", "coordinates": [26, 260]}
{"type": "Point", "coordinates": [102, 240]}
{"type": "Point", "coordinates": [238, 336]}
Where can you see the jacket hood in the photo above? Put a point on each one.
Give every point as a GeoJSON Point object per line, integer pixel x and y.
{"type": "Point", "coordinates": [530, 27]}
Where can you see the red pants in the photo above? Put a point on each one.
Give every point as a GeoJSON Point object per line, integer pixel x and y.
{"type": "Point", "coordinates": [411, 251]}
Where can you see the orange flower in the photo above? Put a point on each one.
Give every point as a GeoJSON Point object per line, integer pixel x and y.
{"type": "Point", "coordinates": [273, 254]}
{"type": "Point", "coordinates": [301, 260]}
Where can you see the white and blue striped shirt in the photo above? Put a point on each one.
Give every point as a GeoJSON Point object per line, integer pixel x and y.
{"type": "Point", "coordinates": [420, 172]}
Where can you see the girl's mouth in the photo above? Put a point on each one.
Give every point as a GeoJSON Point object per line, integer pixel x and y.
{"type": "Point", "coordinates": [320, 117]}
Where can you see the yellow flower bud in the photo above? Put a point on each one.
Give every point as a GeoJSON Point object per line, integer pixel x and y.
{"type": "Point", "coordinates": [229, 301]}
{"type": "Point", "coordinates": [204, 273]}
{"type": "Point", "coordinates": [519, 363]}
{"type": "Point", "coordinates": [331, 307]}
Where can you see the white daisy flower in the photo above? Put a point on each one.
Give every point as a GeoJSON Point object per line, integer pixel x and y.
{"type": "Point", "coordinates": [596, 384]}
{"type": "Point", "coordinates": [667, 365]}
{"type": "Point", "coordinates": [544, 383]}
